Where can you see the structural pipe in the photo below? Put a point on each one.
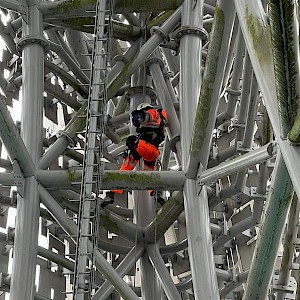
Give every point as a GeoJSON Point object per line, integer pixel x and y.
{"type": "Point", "coordinates": [7, 179]}
{"type": "Point", "coordinates": [252, 15]}
{"type": "Point", "coordinates": [12, 141]}
{"type": "Point", "coordinates": [142, 55]}
{"type": "Point", "coordinates": [62, 53]}
{"type": "Point", "coordinates": [197, 213]}
{"type": "Point", "coordinates": [162, 272]}
{"type": "Point", "coordinates": [54, 151]}
{"type": "Point", "coordinates": [57, 92]}
{"type": "Point", "coordinates": [234, 89]}
{"type": "Point", "coordinates": [147, 180]}
{"type": "Point", "coordinates": [70, 228]}
{"type": "Point", "coordinates": [28, 209]}
{"type": "Point", "coordinates": [78, 122]}
{"type": "Point", "coordinates": [120, 226]}
{"type": "Point", "coordinates": [166, 100]}
{"type": "Point", "coordinates": [165, 218]}
{"type": "Point", "coordinates": [11, 5]}
{"type": "Point", "coordinates": [75, 41]}
{"type": "Point", "coordinates": [265, 253]}
{"type": "Point", "coordinates": [122, 269]}
{"type": "Point", "coordinates": [67, 78]}
{"type": "Point", "coordinates": [237, 164]}
{"type": "Point", "coordinates": [288, 248]}
{"type": "Point", "coordinates": [210, 89]}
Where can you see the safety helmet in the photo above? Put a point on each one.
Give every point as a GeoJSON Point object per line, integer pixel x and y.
{"type": "Point", "coordinates": [144, 105]}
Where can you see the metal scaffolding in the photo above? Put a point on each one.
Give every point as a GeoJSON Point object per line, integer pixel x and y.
{"type": "Point", "coordinates": [227, 74]}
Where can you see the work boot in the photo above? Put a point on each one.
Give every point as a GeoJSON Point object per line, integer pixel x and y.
{"type": "Point", "coordinates": [109, 199]}
{"type": "Point", "coordinates": [158, 199]}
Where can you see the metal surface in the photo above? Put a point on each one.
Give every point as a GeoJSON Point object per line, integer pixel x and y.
{"type": "Point", "coordinates": [227, 74]}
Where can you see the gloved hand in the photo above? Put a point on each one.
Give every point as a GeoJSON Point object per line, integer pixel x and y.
{"type": "Point", "coordinates": [130, 142]}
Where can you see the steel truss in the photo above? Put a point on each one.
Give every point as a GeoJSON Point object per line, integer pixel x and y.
{"type": "Point", "coordinates": [227, 74]}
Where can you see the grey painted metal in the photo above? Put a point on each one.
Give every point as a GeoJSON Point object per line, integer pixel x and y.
{"type": "Point", "coordinates": [10, 4]}
{"type": "Point", "coordinates": [252, 12]}
{"type": "Point", "coordinates": [27, 227]}
{"type": "Point", "coordinates": [143, 54]}
{"type": "Point", "coordinates": [265, 253]}
{"type": "Point", "coordinates": [56, 258]}
{"type": "Point", "coordinates": [211, 87]}
{"type": "Point", "coordinates": [239, 163]}
{"type": "Point", "coordinates": [7, 179]}
{"type": "Point", "coordinates": [54, 151]}
{"type": "Point", "coordinates": [288, 248]}
{"type": "Point", "coordinates": [197, 213]}
{"type": "Point", "coordinates": [166, 99]}
{"type": "Point", "coordinates": [70, 227]}
{"type": "Point", "coordinates": [75, 40]}
{"type": "Point", "coordinates": [162, 272]}
{"type": "Point", "coordinates": [63, 54]}
{"type": "Point", "coordinates": [233, 91]}
{"type": "Point", "coordinates": [123, 268]}
{"type": "Point", "coordinates": [10, 137]}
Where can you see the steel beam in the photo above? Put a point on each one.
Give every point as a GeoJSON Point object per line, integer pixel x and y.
{"type": "Point", "coordinates": [28, 209]}
{"type": "Point", "coordinates": [162, 272]}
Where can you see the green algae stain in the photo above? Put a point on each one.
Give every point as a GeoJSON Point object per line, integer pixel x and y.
{"type": "Point", "coordinates": [109, 224]}
{"type": "Point", "coordinates": [129, 177]}
{"type": "Point", "coordinates": [203, 109]}
{"type": "Point", "coordinates": [260, 35]}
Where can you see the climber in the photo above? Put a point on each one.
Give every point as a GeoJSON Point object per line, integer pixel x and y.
{"type": "Point", "coordinates": [150, 126]}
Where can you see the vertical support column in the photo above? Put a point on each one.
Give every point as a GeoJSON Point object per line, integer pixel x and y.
{"type": "Point", "coordinates": [26, 235]}
{"type": "Point", "coordinates": [197, 213]}
{"type": "Point", "coordinates": [143, 205]}
{"type": "Point", "coordinates": [265, 253]}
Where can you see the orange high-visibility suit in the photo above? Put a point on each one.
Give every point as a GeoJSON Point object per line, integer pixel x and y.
{"type": "Point", "coordinates": [150, 125]}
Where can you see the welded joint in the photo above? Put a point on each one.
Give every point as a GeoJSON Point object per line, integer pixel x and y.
{"type": "Point", "coordinates": [62, 133]}
{"type": "Point", "coordinates": [32, 39]}
{"type": "Point", "coordinates": [190, 30]}
{"type": "Point", "coordinates": [241, 149]}
{"type": "Point", "coordinates": [155, 60]}
{"type": "Point", "coordinates": [146, 90]}
{"type": "Point", "coordinates": [18, 177]}
{"type": "Point", "coordinates": [120, 58]}
{"type": "Point", "coordinates": [158, 30]}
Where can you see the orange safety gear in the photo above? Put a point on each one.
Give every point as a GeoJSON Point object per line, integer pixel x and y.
{"type": "Point", "coordinates": [147, 151]}
{"type": "Point", "coordinates": [128, 165]}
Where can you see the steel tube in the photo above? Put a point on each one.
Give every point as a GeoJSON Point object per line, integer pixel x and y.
{"type": "Point", "coordinates": [288, 247]}
{"type": "Point", "coordinates": [265, 253]}
{"type": "Point", "coordinates": [28, 209]}
{"type": "Point", "coordinates": [237, 164]}
{"type": "Point", "coordinates": [163, 273]}
{"type": "Point", "coordinates": [11, 5]}
{"type": "Point", "coordinates": [14, 145]}
{"type": "Point", "coordinates": [70, 227]}
{"type": "Point", "coordinates": [142, 55]}
{"type": "Point", "coordinates": [123, 268]}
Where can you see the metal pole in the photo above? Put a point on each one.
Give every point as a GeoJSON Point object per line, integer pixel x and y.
{"type": "Point", "coordinates": [123, 268]}
{"type": "Point", "coordinates": [162, 272]}
{"type": "Point", "coordinates": [288, 247]}
{"type": "Point", "coordinates": [265, 253]}
{"type": "Point", "coordinates": [28, 209]}
{"type": "Point", "coordinates": [70, 227]}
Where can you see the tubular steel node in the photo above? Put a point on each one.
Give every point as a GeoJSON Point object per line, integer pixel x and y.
{"type": "Point", "coordinates": [217, 218]}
